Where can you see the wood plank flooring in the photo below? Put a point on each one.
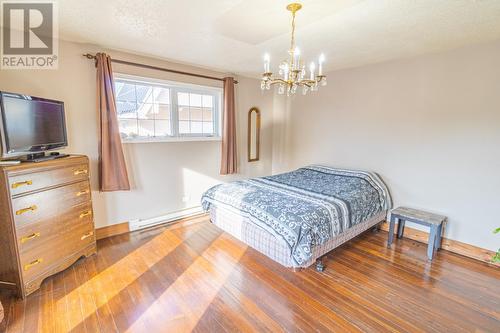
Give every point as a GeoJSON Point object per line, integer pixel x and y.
{"type": "Point", "coordinates": [193, 277]}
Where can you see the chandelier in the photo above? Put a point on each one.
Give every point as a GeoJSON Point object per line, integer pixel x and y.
{"type": "Point", "coordinates": [292, 72]}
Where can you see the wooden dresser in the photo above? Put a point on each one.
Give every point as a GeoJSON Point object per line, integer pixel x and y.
{"type": "Point", "coordinates": [46, 220]}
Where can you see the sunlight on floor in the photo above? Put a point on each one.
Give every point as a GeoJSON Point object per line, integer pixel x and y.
{"type": "Point", "coordinates": [121, 274]}
{"type": "Point", "coordinates": [186, 300]}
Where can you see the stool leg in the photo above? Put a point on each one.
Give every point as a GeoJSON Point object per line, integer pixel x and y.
{"type": "Point", "coordinates": [439, 236]}
{"type": "Point", "coordinates": [391, 231]}
{"type": "Point", "coordinates": [320, 267]}
{"type": "Point", "coordinates": [432, 241]}
{"type": "Point", "coordinates": [401, 228]}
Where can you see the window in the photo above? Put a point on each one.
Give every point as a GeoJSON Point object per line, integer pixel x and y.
{"type": "Point", "coordinates": [151, 110]}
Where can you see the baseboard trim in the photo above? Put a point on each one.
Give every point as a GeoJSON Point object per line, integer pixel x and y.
{"type": "Point", "coordinates": [170, 217]}
{"type": "Point", "coordinates": [183, 216]}
{"type": "Point", "coordinates": [112, 230]}
{"type": "Point", "coordinates": [451, 245]}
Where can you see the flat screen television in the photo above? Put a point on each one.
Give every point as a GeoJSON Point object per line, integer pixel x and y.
{"type": "Point", "coordinates": [30, 125]}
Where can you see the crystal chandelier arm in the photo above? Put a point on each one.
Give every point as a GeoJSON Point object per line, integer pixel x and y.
{"type": "Point", "coordinates": [275, 81]}
{"type": "Point", "coordinates": [308, 83]}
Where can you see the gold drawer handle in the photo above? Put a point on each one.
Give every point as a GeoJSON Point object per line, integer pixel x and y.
{"type": "Point", "coordinates": [30, 237]}
{"type": "Point", "coordinates": [78, 194]}
{"type": "Point", "coordinates": [87, 235]}
{"type": "Point", "coordinates": [27, 209]}
{"type": "Point", "coordinates": [19, 184]}
{"type": "Point", "coordinates": [80, 172]}
{"type": "Point", "coordinates": [87, 213]}
{"type": "Point", "coordinates": [33, 263]}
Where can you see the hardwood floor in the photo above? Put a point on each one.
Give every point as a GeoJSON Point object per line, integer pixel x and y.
{"type": "Point", "coordinates": [193, 277]}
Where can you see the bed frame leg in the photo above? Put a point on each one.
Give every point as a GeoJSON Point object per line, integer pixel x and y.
{"type": "Point", "coordinates": [319, 265]}
{"type": "Point", "coordinates": [376, 228]}
{"type": "Point", "coordinates": [297, 269]}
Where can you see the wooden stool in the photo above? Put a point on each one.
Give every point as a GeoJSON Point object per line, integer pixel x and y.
{"type": "Point", "coordinates": [434, 221]}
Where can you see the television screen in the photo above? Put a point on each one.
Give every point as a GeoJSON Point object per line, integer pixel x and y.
{"type": "Point", "coordinates": [31, 124]}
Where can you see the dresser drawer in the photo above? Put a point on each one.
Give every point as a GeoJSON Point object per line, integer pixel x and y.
{"type": "Point", "coordinates": [38, 260]}
{"type": "Point", "coordinates": [34, 235]}
{"type": "Point", "coordinates": [46, 205]}
{"type": "Point", "coordinates": [26, 182]}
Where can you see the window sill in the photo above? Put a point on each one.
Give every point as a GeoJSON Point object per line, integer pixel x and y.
{"type": "Point", "coordinates": [172, 139]}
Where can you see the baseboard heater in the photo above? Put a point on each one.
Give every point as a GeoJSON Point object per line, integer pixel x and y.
{"type": "Point", "coordinates": [179, 214]}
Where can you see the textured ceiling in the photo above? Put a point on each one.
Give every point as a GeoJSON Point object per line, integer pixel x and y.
{"type": "Point", "coordinates": [233, 35]}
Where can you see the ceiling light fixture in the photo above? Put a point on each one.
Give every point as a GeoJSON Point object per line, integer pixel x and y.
{"type": "Point", "coordinates": [292, 71]}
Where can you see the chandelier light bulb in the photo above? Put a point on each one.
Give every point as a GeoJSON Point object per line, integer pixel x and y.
{"type": "Point", "coordinates": [321, 60]}
{"type": "Point", "coordinates": [296, 58]}
{"type": "Point", "coordinates": [312, 67]}
{"type": "Point", "coordinates": [267, 61]}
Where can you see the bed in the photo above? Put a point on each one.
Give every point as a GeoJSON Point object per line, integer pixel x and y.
{"type": "Point", "coordinates": [297, 217]}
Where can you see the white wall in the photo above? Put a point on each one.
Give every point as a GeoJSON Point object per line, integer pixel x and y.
{"type": "Point", "coordinates": [162, 174]}
{"type": "Point", "coordinates": [430, 126]}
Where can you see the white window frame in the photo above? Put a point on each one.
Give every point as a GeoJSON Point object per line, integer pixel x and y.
{"type": "Point", "coordinates": [176, 87]}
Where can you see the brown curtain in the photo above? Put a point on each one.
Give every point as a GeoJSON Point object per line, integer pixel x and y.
{"type": "Point", "coordinates": [229, 161]}
{"type": "Point", "coordinates": [1, 312]}
{"type": "Point", "coordinates": [112, 169]}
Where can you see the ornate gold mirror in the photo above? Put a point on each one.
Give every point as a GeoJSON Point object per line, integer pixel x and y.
{"type": "Point", "coordinates": [253, 134]}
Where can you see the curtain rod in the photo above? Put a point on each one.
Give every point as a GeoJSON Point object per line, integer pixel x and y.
{"type": "Point", "coordinates": [91, 56]}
